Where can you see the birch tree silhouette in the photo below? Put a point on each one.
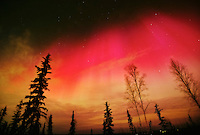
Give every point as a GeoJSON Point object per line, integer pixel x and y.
{"type": "Point", "coordinates": [187, 84]}
{"type": "Point", "coordinates": [135, 88]}
{"type": "Point", "coordinates": [132, 97]}
{"type": "Point", "coordinates": [35, 107]}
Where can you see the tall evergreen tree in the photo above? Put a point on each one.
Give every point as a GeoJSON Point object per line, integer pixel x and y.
{"type": "Point", "coordinates": [43, 129]}
{"type": "Point", "coordinates": [131, 126]}
{"type": "Point", "coordinates": [163, 122]}
{"type": "Point", "coordinates": [14, 126]}
{"type": "Point", "coordinates": [3, 123]}
{"type": "Point", "coordinates": [166, 124]}
{"type": "Point", "coordinates": [91, 132]}
{"type": "Point", "coordinates": [73, 125]}
{"type": "Point", "coordinates": [35, 107]}
{"type": "Point", "coordinates": [3, 113]}
{"type": "Point", "coordinates": [104, 127]}
{"type": "Point", "coordinates": [150, 127]}
{"type": "Point", "coordinates": [50, 128]}
{"type": "Point", "coordinates": [108, 120]}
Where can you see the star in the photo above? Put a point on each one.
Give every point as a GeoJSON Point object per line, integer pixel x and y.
{"type": "Point", "coordinates": [69, 17]}
{"type": "Point", "coordinates": [58, 18]}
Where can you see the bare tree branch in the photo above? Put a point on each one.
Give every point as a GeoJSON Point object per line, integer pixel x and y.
{"type": "Point", "coordinates": [187, 84]}
{"type": "Point", "coordinates": [136, 86]}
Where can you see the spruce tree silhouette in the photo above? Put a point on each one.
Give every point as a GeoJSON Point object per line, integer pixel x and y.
{"type": "Point", "coordinates": [3, 114]}
{"type": "Point", "coordinates": [131, 126]}
{"type": "Point", "coordinates": [91, 132]}
{"type": "Point", "coordinates": [73, 125]}
{"type": "Point", "coordinates": [43, 129]}
{"type": "Point", "coordinates": [3, 123]}
{"type": "Point", "coordinates": [35, 107]}
{"type": "Point", "coordinates": [14, 126]}
{"type": "Point", "coordinates": [150, 127]}
{"type": "Point", "coordinates": [50, 128]}
{"type": "Point", "coordinates": [108, 120]}
{"type": "Point", "coordinates": [104, 127]}
{"type": "Point", "coordinates": [163, 122]}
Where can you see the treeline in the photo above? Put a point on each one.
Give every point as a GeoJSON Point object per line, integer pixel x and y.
{"type": "Point", "coordinates": [26, 119]}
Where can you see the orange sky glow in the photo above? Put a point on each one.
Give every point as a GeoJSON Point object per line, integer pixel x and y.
{"type": "Point", "coordinates": [87, 73]}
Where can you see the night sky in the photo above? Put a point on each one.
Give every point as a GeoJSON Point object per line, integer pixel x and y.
{"type": "Point", "coordinates": [91, 41]}
{"type": "Point", "coordinates": [47, 21]}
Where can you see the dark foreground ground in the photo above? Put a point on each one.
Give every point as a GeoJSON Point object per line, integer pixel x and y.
{"type": "Point", "coordinates": [183, 131]}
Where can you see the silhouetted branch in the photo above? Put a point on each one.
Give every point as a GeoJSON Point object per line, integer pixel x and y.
{"type": "Point", "coordinates": [187, 84]}
{"type": "Point", "coordinates": [136, 86]}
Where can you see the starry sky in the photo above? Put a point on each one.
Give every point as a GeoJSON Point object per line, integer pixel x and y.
{"type": "Point", "coordinates": [91, 41]}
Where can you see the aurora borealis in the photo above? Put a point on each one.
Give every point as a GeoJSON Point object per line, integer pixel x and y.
{"type": "Point", "coordinates": [90, 44]}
